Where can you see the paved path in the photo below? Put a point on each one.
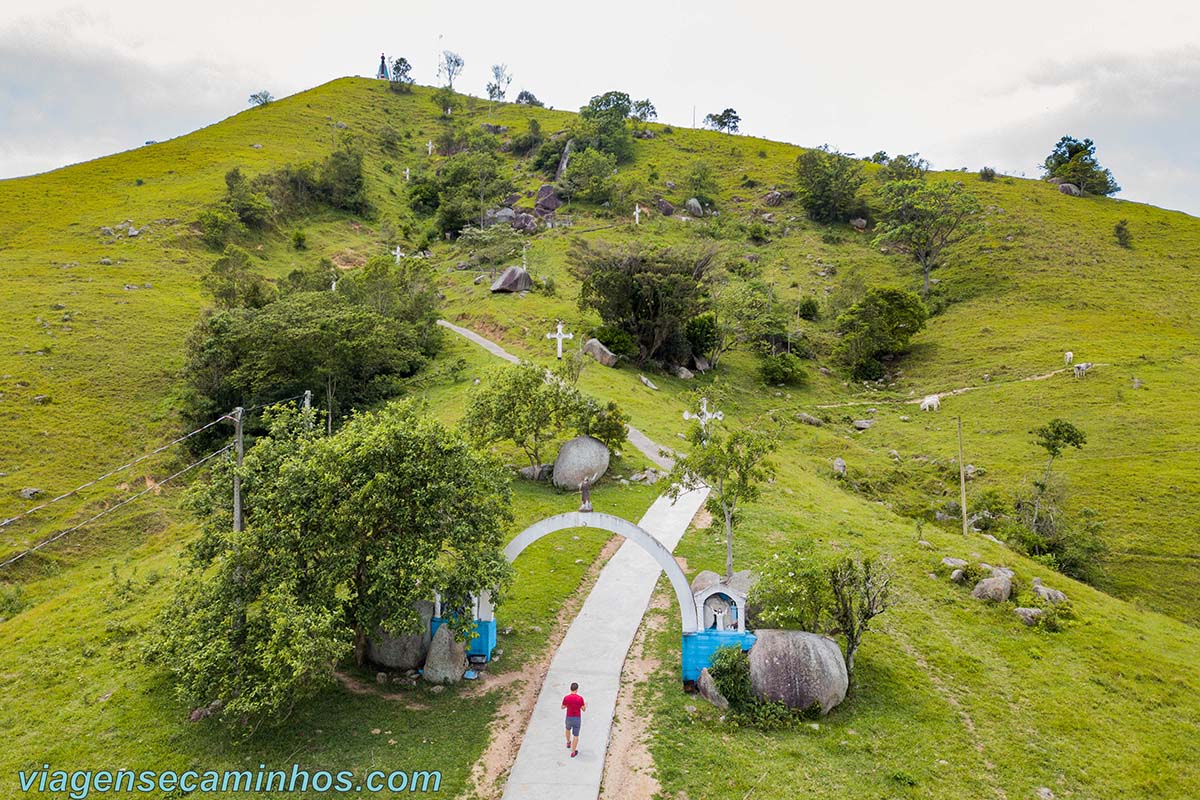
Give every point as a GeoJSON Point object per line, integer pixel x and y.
{"type": "Point", "coordinates": [593, 651]}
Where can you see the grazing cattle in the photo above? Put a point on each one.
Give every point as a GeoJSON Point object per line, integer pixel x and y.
{"type": "Point", "coordinates": [931, 403]}
{"type": "Point", "coordinates": [1068, 357]}
{"type": "Point", "coordinates": [1082, 368]}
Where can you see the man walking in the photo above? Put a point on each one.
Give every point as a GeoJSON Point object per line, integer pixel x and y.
{"type": "Point", "coordinates": [575, 706]}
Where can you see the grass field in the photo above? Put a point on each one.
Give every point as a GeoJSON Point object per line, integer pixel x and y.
{"type": "Point", "coordinates": [1108, 708]}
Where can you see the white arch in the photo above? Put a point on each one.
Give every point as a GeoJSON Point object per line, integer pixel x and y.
{"type": "Point", "coordinates": [621, 527]}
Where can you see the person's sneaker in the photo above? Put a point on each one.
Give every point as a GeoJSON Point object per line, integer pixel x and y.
{"type": "Point", "coordinates": [568, 745]}
{"type": "Point", "coordinates": [574, 753]}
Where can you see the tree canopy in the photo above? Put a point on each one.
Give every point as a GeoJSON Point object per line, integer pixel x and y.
{"type": "Point", "coordinates": [829, 183]}
{"type": "Point", "coordinates": [727, 121]}
{"type": "Point", "coordinates": [1074, 161]}
{"type": "Point", "coordinates": [879, 325]}
{"type": "Point", "coordinates": [922, 218]}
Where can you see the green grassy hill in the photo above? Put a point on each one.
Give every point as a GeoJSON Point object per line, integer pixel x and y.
{"type": "Point", "coordinates": [92, 331]}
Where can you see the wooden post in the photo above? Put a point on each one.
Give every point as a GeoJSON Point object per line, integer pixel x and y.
{"type": "Point", "coordinates": [962, 480]}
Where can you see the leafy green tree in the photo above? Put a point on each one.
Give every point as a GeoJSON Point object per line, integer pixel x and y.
{"type": "Point", "coordinates": [747, 316]}
{"type": "Point", "coordinates": [701, 181]}
{"type": "Point", "coordinates": [829, 182]}
{"type": "Point", "coordinates": [702, 333]}
{"type": "Point", "coordinates": [468, 184]}
{"type": "Point", "coordinates": [1054, 437]}
{"type": "Point", "coordinates": [589, 177]}
{"type": "Point", "coordinates": [1074, 161]}
{"type": "Point", "coordinates": [861, 590]}
{"type": "Point", "coordinates": [233, 282]}
{"type": "Point", "coordinates": [922, 219]}
{"type": "Point", "coordinates": [879, 325]}
{"type": "Point", "coordinates": [261, 98]}
{"type": "Point", "coordinates": [252, 207]}
{"type": "Point", "coordinates": [727, 121]}
{"type": "Point", "coordinates": [342, 535]}
{"type": "Point", "coordinates": [401, 80]}
{"type": "Point", "coordinates": [498, 87]}
{"type": "Point", "coordinates": [602, 125]}
{"type": "Point", "coordinates": [732, 464]}
{"type": "Point", "coordinates": [910, 167]}
{"type": "Point", "coordinates": [405, 292]}
{"type": "Point", "coordinates": [650, 293]}
{"type": "Point", "coordinates": [642, 111]}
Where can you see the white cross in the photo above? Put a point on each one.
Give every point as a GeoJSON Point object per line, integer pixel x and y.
{"type": "Point", "coordinates": [429, 146]}
{"type": "Point", "coordinates": [637, 214]}
{"type": "Point", "coordinates": [398, 254]}
{"type": "Point", "coordinates": [560, 336]}
{"type": "Point", "coordinates": [704, 416]}
{"type": "Point", "coordinates": [406, 174]}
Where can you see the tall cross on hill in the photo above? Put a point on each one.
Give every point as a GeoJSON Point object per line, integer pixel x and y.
{"type": "Point", "coordinates": [429, 146]}
{"type": "Point", "coordinates": [704, 416]}
{"type": "Point", "coordinates": [560, 336]}
{"type": "Point", "coordinates": [398, 254]}
{"type": "Point", "coordinates": [637, 214]}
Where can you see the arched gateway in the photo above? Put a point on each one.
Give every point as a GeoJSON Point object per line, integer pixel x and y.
{"type": "Point", "coordinates": [697, 645]}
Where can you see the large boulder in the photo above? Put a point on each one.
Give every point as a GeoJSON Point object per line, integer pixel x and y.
{"type": "Point", "coordinates": [693, 207]}
{"type": "Point", "coordinates": [798, 669]}
{"type": "Point", "coordinates": [447, 659]}
{"type": "Point", "coordinates": [1048, 594]}
{"type": "Point", "coordinates": [578, 459]}
{"type": "Point", "coordinates": [524, 222]}
{"type": "Point", "coordinates": [406, 651]}
{"type": "Point", "coordinates": [704, 579]}
{"type": "Point", "coordinates": [596, 349]}
{"type": "Point", "coordinates": [1069, 189]}
{"type": "Point", "coordinates": [513, 279]}
{"type": "Point", "coordinates": [547, 201]}
{"type": "Point", "coordinates": [494, 216]}
{"type": "Point", "coordinates": [664, 206]}
{"type": "Point", "coordinates": [773, 198]}
{"type": "Point", "coordinates": [996, 589]}
{"type": "Point", "coordinates": [707, 687]}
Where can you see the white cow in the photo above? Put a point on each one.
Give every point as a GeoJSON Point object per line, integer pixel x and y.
{"type": "Point", "coordinates": [1068, 357]}
{"type": "Point", "coordinates": [1082, 368]}
{"type": "Point", "coordinates": [931, 403]}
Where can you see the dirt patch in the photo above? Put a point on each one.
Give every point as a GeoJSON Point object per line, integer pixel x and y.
{"type": "Point", "coordinates": [508, 727]}
{"type": "Point", "coordinates": [356, 686]}
{"type": "Point", "coordinates": [628, 766]}
{"type": "Point", "coordinates": [703, 519]}
{"type": "Point", "coordinates": [348, 259]}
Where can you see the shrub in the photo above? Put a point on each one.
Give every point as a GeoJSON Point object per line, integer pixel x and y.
{"type": "Point", "coordinates": [904, 168]}
{"type": "Point", "coordinates": [12, 600]}
{"type": "Point", "coordinates": [758, 232]}
{"type": "Point", "coordinates": [525, 143]}
{"type": "Point", "coordinates": [829, 237]}
{"type": "Point", "coordinates": [879, 325]}
{"type": "Point", "coordinates": [1121, 231]}
{"type": "Point", "coordinates": [987, 174]}
{"type": "Point", "coordinates": [389, 138]}
{"type": "Point", "coordinates": [829, 182]}
{"type": "Point", "coordinates": [589, 176]}
{"type": "Point", "coordinates": [701, 182]}
{"type": "Point", "coordinates": [809, 308]}
{"type": "Point", "coordinates": [616, 340]}
{"type": "Point", "coordinates": [701, 331]}
{"type": "Point", "coordinates": [730, 670]}
{"type": "Point", "coordinates": [219, 225]}
{"type": "Point", "coordinates": [299, 239]}
{"type": "Point", "coordinates": [783, 368]}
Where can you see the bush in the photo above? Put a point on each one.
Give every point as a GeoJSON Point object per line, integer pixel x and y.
{"type": "Point", "coordinates": [829, 182]}
{"type": "Point", "coordinates": [730, 670]}
{"type": "Point", "coordinates": [701, 331]}
{"type": "Point", "coordinates": [1068, 543]}
{"type": "Point", "coordinates": [758, 232]}
{"type": "Point", "coordinates": [525, 143]}
{"type": "Point", "coordinates": [904, 168]}
{"type": "Point", "coordinates": [701, 182]}
{"type": "Point", "coordinates": [987, 174]}
{"type": "Point", "coordinates": [219, 225]}
{"type": "Point", "coordinates": [389, 138]}
{"type": "Point", "coordinates": [784, 368]}
{"type": "Point", "coordinates": [616, 340]}
{"type": "Point", "coordinates": [12, 600]}
{"type": "Point", "coordinates": [1121, 231]}
{"type": "Point", "coordinates": [299, 239]}
{"type": "Point", "coordinates": [879, 325]}
{"type": "Point", "coordinates": [589, 177]}
{"type": "Point", "coordinates": [809, 308]}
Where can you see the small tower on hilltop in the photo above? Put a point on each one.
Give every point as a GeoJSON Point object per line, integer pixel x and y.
{"type": "Point", "coordinates": [382, 74]}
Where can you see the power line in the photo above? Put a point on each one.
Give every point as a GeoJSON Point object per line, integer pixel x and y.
{"type": "Point", "coordinates": [111, 472]}
{"type": "Point", "coordinates": [107, 511]}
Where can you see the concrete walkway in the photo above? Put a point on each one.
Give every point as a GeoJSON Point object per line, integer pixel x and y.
{"type": "Point", "coordinates": [594, 649]}
{"type": "Point", "coordinates": [592, 654]}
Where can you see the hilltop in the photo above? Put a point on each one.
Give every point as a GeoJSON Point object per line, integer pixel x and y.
{"type": "Point", "coordinates": [93, 339]}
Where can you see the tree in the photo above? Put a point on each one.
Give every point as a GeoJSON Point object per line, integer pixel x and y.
{"type": "Point", "coordinates": [879, 325]}
{"type": "Point", "coordinates": [746, 314]}
{"type": "Point", "coordinates": [451, 66]}
{"type": "Point", "coordinates": [401, 79]}
{"type": "Point", "coordinates": [922, 219]}
{"type": "Point", "coordinates": [861, 590]}
{"type": "Point", "coordinates": [501, 78]}
{"type": "Point", "coordinates": [1074, 161]}
{"type": "Point", "coordinates": [233, 282]}
{"type": "Point", "coordinates": [602, 125]}
{"type": "Point", "coordinates": [467, 185]}
{"type": "Point", "coordinates": [642, 111]}
{"type": "Point", "coordinates": [701, 181]}
{"type": "Point", "coordinates": [525, 405]}
{"type": "Point", "coordinates": [727, 121]}
{"type": "Point", "coordinates": [1054, 437]}
{"type": "Point", "coordinates": [261, 98]}
{"type": "Point", "coordinates": [343, 535]}
{"type": "Point", "coordinates": [588, 176]}
{"type": "Point", "coordinates": [649, 293]}
{"type": "Point", "coordinates": [731, 465]}
{"type": "Point", "coordinates": [528, 98]}
{"type": "Point", "coordinates": [910, 167]}
{"type": "Point", "coordinates": [829, 183]}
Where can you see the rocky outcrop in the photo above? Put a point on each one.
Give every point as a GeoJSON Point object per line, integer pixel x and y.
{"type": "Point", "coordinates": [578, 459]}
{"type": "Point", "coordinates": [693, 207]}
{"type": "Point", "coordinates": [547, 201]}
{"type": "Point", "coordinates": [707, 688]}
{"type": "Point", "coordinates": [513, 279]}
{"type": "Point", "coordinates": [447, 658]}
{"type": "Point", "coordinates": [996, 589]}
{"type": "Point", "coordinates": [405, 651]}
{"type": "Point", "coordinates": [799, 669]}
{"type": "Point", "coordinates": [596, 349]}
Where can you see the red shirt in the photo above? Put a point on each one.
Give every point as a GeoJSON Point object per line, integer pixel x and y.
{"type": "Point", "coordinates": [574, 704]}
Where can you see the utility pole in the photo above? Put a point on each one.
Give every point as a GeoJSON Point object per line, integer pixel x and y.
{"type": "Point", "coordinates": [962, 480]}
{"type": "Point", "coordinates": [237, 476]}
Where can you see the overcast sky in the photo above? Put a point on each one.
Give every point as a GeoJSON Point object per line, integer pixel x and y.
{"type": "Point", "coordinates": [965, 87]}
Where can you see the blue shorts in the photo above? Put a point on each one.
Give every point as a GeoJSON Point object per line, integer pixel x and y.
{"type": "Point", "coordinates": [573, 725]}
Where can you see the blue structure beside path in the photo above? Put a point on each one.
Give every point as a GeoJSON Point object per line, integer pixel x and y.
{"type": "Point", "coordinates": [698, 648]}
